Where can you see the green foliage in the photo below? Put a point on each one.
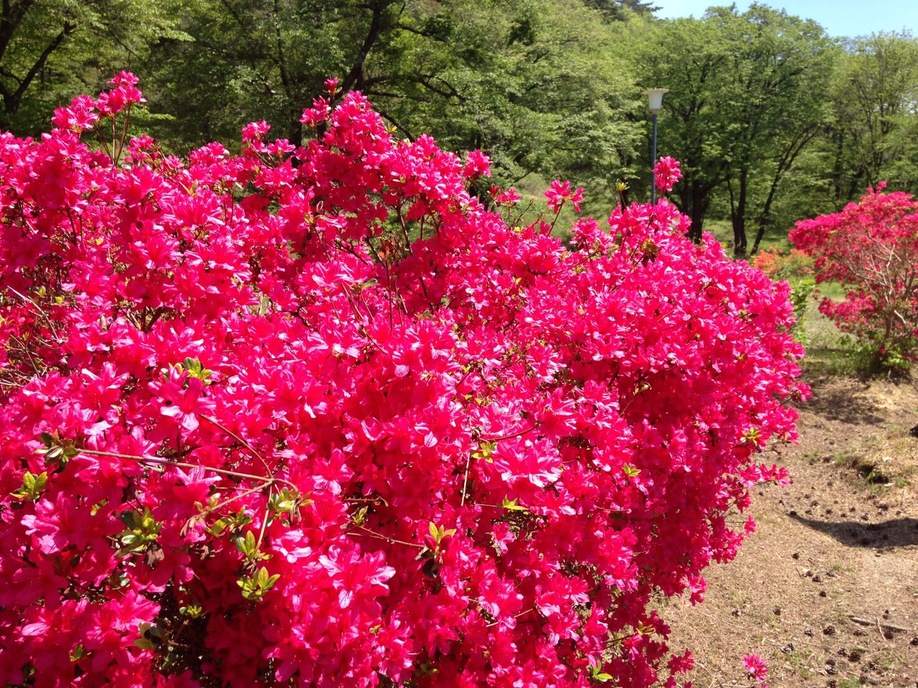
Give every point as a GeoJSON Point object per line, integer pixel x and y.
{"type": "Point", "coordinates": [50, 50]}
{"type": "Point", "coordinates": [140, 533]}
{"type": "Point", "coordinates": [744, 102]}
{"type": "Point", "coordinates": [874, 132]}
{"type": "Point", "coordinates": [32, 486]}
{"type": "Point", "coordinates": [257, 584]}
{"type": "Point", "coordinates": [801, 296]}
{"type": "Point", "coordinates": [519, 79]}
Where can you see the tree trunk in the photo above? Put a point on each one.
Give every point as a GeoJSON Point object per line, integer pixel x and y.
{"type": "Point", "coordinates": [739, 217]}
{"type": "Point", "coordinates": [786, 162]}
{"type": "Point", "coordinates": [698, 205]}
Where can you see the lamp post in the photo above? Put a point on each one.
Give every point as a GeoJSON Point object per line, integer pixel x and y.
{"type": "Point", "coordinates": [654, 104]}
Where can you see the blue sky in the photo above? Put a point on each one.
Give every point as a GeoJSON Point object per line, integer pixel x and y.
{"type": "Point", "coordinates": [837, 17]}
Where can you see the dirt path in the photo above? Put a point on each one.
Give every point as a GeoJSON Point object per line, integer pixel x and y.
{"type": "Point", "coordinates": [827, 589]}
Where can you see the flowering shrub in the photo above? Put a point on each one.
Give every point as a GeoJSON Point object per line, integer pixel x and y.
{"type": "Point", "coordinates": [314, 417]}
{"type": "Point", "coordinates": [797, 267]}
{"type": "Point", "coordinates": [871, 248]}
{"type": "Point", "coordinates": [778, 264]}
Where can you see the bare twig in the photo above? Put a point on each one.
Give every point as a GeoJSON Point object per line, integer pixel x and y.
{"type": "Point", "coordinates": [465, 478]}
{"type": "Point", "coordinates": [880, 625]}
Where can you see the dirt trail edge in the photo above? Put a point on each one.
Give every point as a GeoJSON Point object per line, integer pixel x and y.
{"type": "Point", "coordinates": [827, 590]}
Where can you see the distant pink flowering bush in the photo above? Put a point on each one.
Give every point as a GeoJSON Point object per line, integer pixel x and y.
{"type": "Point", "coordinates": [871, 248]}
{"type": "Point", "coordinates": [788, 264]}
{"type": "Point", "coordinates": [312, 416]}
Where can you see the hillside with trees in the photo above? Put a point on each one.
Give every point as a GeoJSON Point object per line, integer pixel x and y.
{"type": "Point", "coordinates": [773, 119]}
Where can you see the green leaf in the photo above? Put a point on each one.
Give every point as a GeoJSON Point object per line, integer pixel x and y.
{"type": "Point", "coordinates": [32, 486]}
{"type": "Point", "coordinates": [247, 545]}
{"type": "Point", "coordinates": [195, 369]}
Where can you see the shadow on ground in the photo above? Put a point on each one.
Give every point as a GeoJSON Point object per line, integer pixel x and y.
{"type": "Point", "coordinates": [899, 532]}
{"type": "Point", "coordinates": [843, 405]}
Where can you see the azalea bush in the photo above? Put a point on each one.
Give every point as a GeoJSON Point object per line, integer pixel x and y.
{"type": "Point", "coordinates": [791, 264]}
{"type": "Point", "coordinates": [871, 249]}
{"type": "Point", "coordinates": [317, 416]}
{"type": "Point", "coordinates": [796, 267]}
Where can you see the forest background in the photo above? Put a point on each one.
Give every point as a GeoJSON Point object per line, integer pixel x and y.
{"type": "Point", "coordinates": [773, 119]}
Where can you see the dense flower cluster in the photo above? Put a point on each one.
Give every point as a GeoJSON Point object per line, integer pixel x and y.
{"type": "Point", "coordinates": [756, 669]}
{"type": "Point", "coordinates": [871, 248]}
{"type": "Point", "coordinates": [315, 417]}
{"type": "Point", "coordinates": [666, 173]}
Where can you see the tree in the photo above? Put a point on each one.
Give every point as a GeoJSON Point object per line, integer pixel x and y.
{"type": "Point", "coordinates": [744, 102]}
{"type": "Point", "coordinates": [523, 82]}
{"type": "Point", "coordinates": [690, 57]}
{"type": "Point", "coordinates": [520, 78]}
{"type": "Point", "coordinates": [52, 49]}
{"type": "Point", "coordinates": [781, 66]}
{"type": "Point", "coordinates": [264, 59]}
{"type": "Point", "coordinates": [875, 121]}
{"type": "Point", "coordinates": [622, 10]}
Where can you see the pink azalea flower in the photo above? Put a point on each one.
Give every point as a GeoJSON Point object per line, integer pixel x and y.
{"type": "Point", "coordinates": [755, 668]}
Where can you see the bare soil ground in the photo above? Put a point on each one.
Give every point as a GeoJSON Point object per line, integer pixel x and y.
{"type": "Point", "coordinates": [827, 590]}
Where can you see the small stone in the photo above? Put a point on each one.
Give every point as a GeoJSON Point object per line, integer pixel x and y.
{"type": "Point", "coordinates": [808, 632]}
{"type": "Point", "coordinates": [823, 593]}
{"type": "Point", "coordinates": [795, 555]}
{"type": "Point", "coordinates": [829, 630]}
{"type": "Point", "coordinates": [817, 579]}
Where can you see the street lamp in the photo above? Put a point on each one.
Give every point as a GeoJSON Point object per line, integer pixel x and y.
{"type": "Point", "coordinates": [654, 104]}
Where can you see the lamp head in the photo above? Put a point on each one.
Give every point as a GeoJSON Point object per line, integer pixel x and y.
{"type": "Point", "coordinates": [655, 99]}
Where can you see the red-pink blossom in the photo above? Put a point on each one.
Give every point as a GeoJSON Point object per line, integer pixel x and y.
{"type": "Point", "coordinates": [560, 192]}
{"type": "Point", "coordinates": [316, 415]}
{"type": "Point", "coordinates": [756, 669]}
{"type": "Point", "coordinates": [871, 248]}
{"type": "Point", "coordinates": [666, 173]}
